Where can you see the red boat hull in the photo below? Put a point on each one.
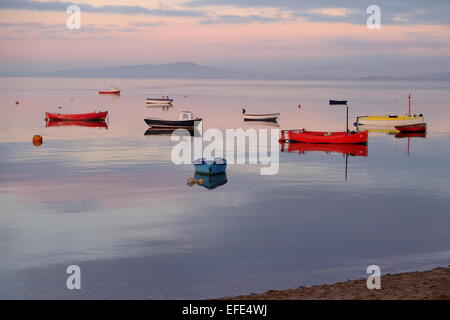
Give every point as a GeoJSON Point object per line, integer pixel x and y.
{"type": "Point", "coordinates": [401, 135]}
{"type": "Point", "coordinates": [93, 116]}
{"type": "Point", "coordinates": [117, 92]}
{"type": "Point", "coordinates": [305, 136]}
{"type": "Point", "coordinates": [419, 127]}
{"type": "Point", "coordinates": [350, 149]}
{"type": "Point", "coordinates": [76, 123]}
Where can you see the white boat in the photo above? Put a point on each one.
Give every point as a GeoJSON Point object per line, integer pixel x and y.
{"type": "Point", "coordinates": [389, 121]}
{"type": "Point", "coordinates": [162, 100]}
{"type": "Point", "coordinates": [186, 121]}
{"type": "Point", "coordinates": [269, 117]}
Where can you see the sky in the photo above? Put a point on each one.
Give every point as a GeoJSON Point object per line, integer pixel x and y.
{"type": "Point", "coordinates": [307, 35]}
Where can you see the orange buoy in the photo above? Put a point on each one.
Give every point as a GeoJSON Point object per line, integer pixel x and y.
{"type": "Point", "coordinates": [200, 181]}
{"type": "Point", "coordinates": [17, 102]}
{"type": "Point", "coordinates": [37, 140]}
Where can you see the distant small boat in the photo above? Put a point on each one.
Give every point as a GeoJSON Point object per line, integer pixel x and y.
{"type": "Point", "coordinates": [163, 100]}
{"type": "Point", "coordinates": [210, 167]}
{"type": "Point", "coordinates": [186, 121]}
{"type": "Point", "coordinates": [76, 123]}
{"type": "Point", "coordinates": [111, 90]}
{"type": "Point", "coordinates": [417, 127]}
{"type": "Point", "coordinates": [93, 116]}
{"type": "Point", "coordinates": [268, 117]}
{"type": "Point", "coordinates": [305, 136]}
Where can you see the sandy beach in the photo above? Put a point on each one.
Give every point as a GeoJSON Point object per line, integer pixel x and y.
{"type": "Point", "coordinates": [424, 285]}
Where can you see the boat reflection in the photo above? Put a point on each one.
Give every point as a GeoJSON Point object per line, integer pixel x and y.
{"type": "Point", "coordinates": [377, 129]}
{"type": "Point", "coordinates": [272, 124]}
{"type": "Point", "coordinates": [163, 106]}
{"type": "Point", "coordinates": [170, 131]}
{"type": "Point", "coordinates": [212, 181]}
{"type": "Point", "coordinates": [409, 135]}
{"type": "Point", "coordinates": [346, 149]}
{"type": "Point", "coordinates": [89, 124]}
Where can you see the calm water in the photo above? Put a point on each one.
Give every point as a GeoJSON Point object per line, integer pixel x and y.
{"type": "Point", "coordinates": [111, 201]}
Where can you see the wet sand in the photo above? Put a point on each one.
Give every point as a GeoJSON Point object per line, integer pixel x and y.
{"type": "Point", "coordinates": [424, 285]}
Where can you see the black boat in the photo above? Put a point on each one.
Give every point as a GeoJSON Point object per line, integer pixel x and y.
{"type": "Point", "coordinates": [186, 121]}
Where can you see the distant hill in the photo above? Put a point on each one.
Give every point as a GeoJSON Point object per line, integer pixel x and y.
{"type": "Point", "coordinates": [189, 70]}
{"type": "Point", "coordinates": [172, 70]}
{"type": "Point", "coordinates": [442, 76]}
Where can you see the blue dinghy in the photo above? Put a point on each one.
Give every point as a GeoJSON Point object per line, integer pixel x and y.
{"type": "Point", "coordinates": [211, 182]}
{"type": "Point", "coordinates": [210, 167]}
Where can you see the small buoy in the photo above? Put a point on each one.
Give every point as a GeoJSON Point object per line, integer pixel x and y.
{"type": "Point", "coordinates": [190, 182]}
{"type": "Point", "coordinates": [299, 106]}
{"type": "Point", "coordinates": [17, 102]}
{"type": "Point", "coordinates": [200, 181]}
{"type": "Point", "coordinates": [37, 140]}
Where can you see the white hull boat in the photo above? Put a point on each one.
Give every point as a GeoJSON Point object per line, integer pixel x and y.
{"type": "Point", "coordinates": [388, 121]}
{"type": "Point", "coordinates": [268, 117]}
{"type": "Point", "coordinates": [163, 100]}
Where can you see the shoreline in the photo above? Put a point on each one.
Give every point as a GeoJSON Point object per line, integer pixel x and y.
{"type": "Point", "coordinates": [418, 285]}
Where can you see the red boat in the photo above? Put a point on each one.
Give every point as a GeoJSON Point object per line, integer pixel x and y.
{"type": "Point", "coordinates": [93, 116]}
{"type": "Point", "coordinates": [324, 137]}
{"type": "Point", "coordinates": [417, 127]}
{"type": "Point", "coordinates": [76, 123]}
{"type": "Point", "coordinates": [350, 149]}
{"type": "Point", "coordinates": [110, 91]}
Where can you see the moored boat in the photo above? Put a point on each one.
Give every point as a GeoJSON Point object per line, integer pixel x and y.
{"type": "Point", "coordinates": [186, 121]}
{"type": "Point", "coordinates": [92, 116]}
{"type": "Point", "coordinates": [417, 127]}
{"type": "Point", "coordinates": [111, 90]}
{"type": "Point", "coordinates": [305, 136]}
{"type": "Point", "coordinates": [212, 181]}
{"type": "Point", "coordinates": [210, 167]}
{"type": "Point", "coordinates": [162, 100]}
{"type": "Point", "coordinates": [268, 117]}
{"type": "Point", "coordinates": [389, 121]}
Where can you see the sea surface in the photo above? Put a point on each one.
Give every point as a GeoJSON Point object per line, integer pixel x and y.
{"type": "Point", "coordinates": [110, 200]}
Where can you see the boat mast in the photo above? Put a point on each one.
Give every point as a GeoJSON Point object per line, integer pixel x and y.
{"type": "Point", "coordinates": [409, 105]}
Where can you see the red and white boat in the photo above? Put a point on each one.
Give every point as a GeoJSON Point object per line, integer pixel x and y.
{"type": "Point", "coordinates": [416, 127]}
{"type": "Point", "coordinates": [305, 136]}
{"type": "Point", "coordinates": [93, 116]}
{"type": "Point", "coordinates": [111, 90]}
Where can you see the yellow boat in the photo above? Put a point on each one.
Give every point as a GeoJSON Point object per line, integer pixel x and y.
{"type": "Point", "coordinates": [390, 121]}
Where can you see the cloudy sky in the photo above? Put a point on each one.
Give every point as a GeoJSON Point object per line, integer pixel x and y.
{"type": "Point", "coordinates": [252, 34]}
